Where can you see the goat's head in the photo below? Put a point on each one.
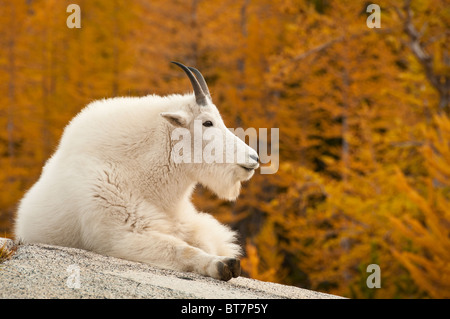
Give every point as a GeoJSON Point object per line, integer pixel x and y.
{"type": "Point", "coordinates": [211, 153]}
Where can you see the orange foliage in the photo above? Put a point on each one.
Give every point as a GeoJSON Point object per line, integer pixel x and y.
{"type": "Point", "coordinates": [429, 230]}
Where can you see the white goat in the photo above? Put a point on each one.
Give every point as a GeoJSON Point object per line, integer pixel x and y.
{"type": "Point", "coordinates": [113, 187]}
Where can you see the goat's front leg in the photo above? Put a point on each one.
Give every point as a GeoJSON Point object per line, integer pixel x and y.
{"type": "Point", "coordinates": [208, 234]}
{"type": "Point", "coordinates": [169, 252]}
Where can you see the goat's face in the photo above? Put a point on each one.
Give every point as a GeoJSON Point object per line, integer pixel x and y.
{"type": "Point", "coordinates": [211, 153]}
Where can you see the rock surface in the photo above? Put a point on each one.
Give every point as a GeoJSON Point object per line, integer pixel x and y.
{"type": "Point", "coordinates": [44, 271]}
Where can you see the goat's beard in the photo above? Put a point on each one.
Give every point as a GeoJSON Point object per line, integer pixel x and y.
{"type": "Point", "coordinates": [224, 181]}
{"type": "Point", "coordinates": [228, 192]}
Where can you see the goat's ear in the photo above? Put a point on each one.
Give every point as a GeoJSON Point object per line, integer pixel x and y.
{"type": "Point", "coordinates": [179, 118]}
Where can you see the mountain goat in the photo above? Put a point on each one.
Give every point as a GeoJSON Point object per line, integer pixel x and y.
{"type": "Point", "coordinates": [113, 185]}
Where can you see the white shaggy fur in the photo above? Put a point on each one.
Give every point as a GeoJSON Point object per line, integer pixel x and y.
{"type": "Point", "coordinates": [111, 187]}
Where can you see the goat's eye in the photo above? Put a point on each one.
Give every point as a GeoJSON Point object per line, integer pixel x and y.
{"type": "Point", "coordinates": [207, 123]}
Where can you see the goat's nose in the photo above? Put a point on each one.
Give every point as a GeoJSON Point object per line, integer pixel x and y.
{"type": "Point", "coordinates": [255, 157]}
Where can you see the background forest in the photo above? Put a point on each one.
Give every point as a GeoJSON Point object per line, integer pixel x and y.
{"type": "Point", "coordinates": [363, 117]}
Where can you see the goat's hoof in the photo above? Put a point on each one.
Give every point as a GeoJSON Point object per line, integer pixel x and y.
{"type": "Point", "coordinates": [229, 268]}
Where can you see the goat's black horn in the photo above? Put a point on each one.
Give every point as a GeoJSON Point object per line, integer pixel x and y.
{"type": "Point", "coordinates": [200, 96]}
{"type": "Point", "coordinates": [201, 80]}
